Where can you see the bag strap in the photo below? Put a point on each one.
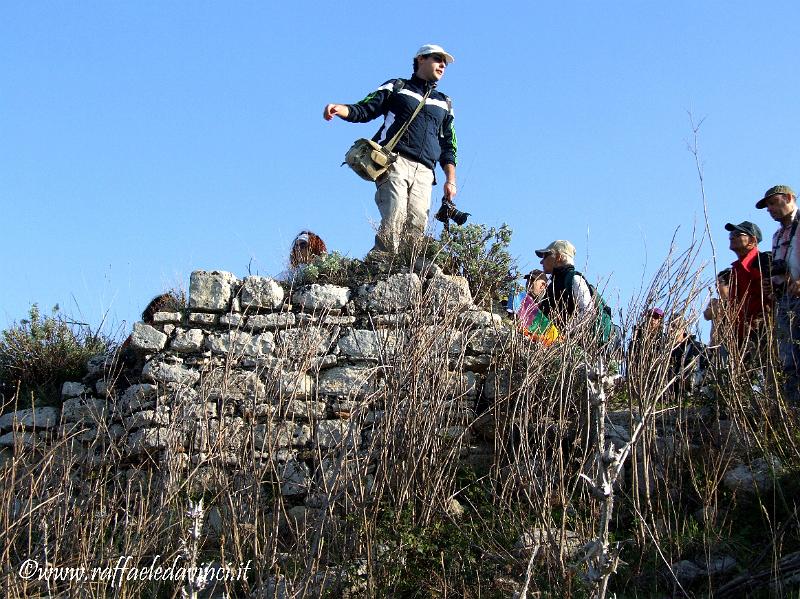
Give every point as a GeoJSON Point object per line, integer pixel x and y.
{"type": "Point", "coordinates": [397, 136]}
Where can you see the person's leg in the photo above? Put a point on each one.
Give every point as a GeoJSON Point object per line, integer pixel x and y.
{"type": "Point", "coordinates": [419, 202]}
{"type": "Point", "coordinates": [391, 197]}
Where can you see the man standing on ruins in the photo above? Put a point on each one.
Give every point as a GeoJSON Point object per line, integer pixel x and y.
{"type": "Point", "coordinates": [403, 194]}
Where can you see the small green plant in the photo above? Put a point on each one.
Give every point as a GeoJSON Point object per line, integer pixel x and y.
{"type": "Point", "coordinates": [40, 353]}
{"type": "Point", "coordinates": [480, 255]}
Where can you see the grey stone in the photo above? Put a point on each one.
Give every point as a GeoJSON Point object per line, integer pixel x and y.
{"type": "Point", "coordinates": [261, 292]}
{"type": "Point", "coordinates": [239, 386]}
{"type": "Point", "coordinates": [148, 418]}
{"type": "Point", "coordinates": [295, 384]}
{"type": "Point", "coordinates": [331, 433]}
{"type": "Point", "coordinates": [150, 439]}
{"type": "Point", "coordinates": [163, 372]}
{"type": "Point", "coordinates": [687, 572]}
{"type": "Point", "coordinates": [31, 418]}
{"type": "Point", "coordinates": [272, 436]}
{"type": "Point", "coordinates": [718, 566]}
{"type": "Point", "coordinates": [369, 345]}
{"type": "Point", "coordinates": [549, 541]}
{"type": "Point", "coordinates": [102, 387]}
{"type": "Point", "coordinates": [147, 338]}
{"type": "Point", "coordinates": [299, 344]}
{"type": "Point", "coordinates": [203, 319]}
{"type": "Point", "coordinates": [758, 476]}
{"type": "Point", "coordinates": [479, 318]}
{"type": "Point", "coordinates": [72, 389]}
{"type": "Point", "coordinates": [488, 341]}
{"type": "Point", "coordinates": [337, 320]}
{"type": "Point", "coordinates": [24, 440]}
{"type": "Point", "coordinates": [211, 291]}
{"type": "Point", "coordinates": [321, 297]}
{"type": "Point", "coordinates": [277, 320]}
{"type": "Point", "coordinates": [97, 365]}
{"type": "Point", "coordinates": [295, 478]}
{"type": "Point", "coordinates": [233, 321]}
{"type": "Point", "coordinates": [397, 293]}
{"type": "Point", "coordinates": [241, 343]}
{"type": "Point", "coordinates": [309, 410]}
{"type": "Point", "coordinates": [167, 318]}
{"type": "Point", "coordinates": [447, 294]}
{"type": "Point", "coordinates": [346, 381]}
{"type": "Point", "coordinates": [137, 397]}
{"type": "Point", "coordinates": [188, 341]}
{"type": "Point", "coordinates": [78, 409]}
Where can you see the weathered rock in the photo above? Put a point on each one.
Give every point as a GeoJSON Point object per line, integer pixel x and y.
{"type": "Point", "coordinates": [78, 409]}
{"type": "Point", "coordinates": [232, 321]}
{"type": "Point", "coordinates": [200, 318]}
{"type": "Point", "coordinates": [687, 572]}
{"type": "Point", "coordinates": [137, 397]}
{"type": "Point", "coordinates": [321, 297]}
{"type": "Point", "coordinates": [447, 294]}
{"type": "Point", "coordinates": [549, 541]}
{"type": "Point", "coordinates": [479, 319]}
{"type": "Point", "coordinates": [163, 372]}
{"type": "Point", "coordinates": [331, 433]}
{"type": "Point", "coordinates": [167, 318]}
{"type": "Point", "coordinates": [369, 345]}
{"type": "Point", "coordinates": [757, 477]}
{"type": "Point", "coordinates": [261, 292]}
{"type": "Point", "coordinates": [346, 381]}
{"type": "Point", "coordinates": [295, 476]}
{"type": "Point", "coordinates": [488, 341]}
{"type": "Point", "coordinates": [211, 291]}
{"type": "Point", "coordinates": [146, 338]}
{"type": "Point", "coordinates": [272, 436]}
{"type": "Point", "coordinates": [396, 294]}
{"type": "Point", "coordinates": [188, 341]}
{"type": "Point", "coordinates": [300, 344]}
{"type": "Point", "coordinates": [237, 386]}
{"type": "Point", "coordinates": [102, 387]}
{"type": "Point", "coordinates": [241, 343]}
{"type": "Point", "coordinates": [308, 410]}
{"type": "Point", "coordinates": [148, 418]}
{"type": "Point", "coordinates": [151, 439]}
{"type": "Point", "coordinates": [30, 418]}
{"type": "Point", "coordinates": [72, 389]}
{"type": "Point", "coordinates": [266, 322]}
{"type": "Point", "coordinates": [294, 384]}
{"type": "Point", "coordinates": [24, 440]}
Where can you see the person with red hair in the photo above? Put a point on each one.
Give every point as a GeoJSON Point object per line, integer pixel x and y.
{"type": "Point", "coordinates": [305, 247]}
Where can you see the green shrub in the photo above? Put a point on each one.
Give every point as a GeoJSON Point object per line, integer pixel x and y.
{"type": "Point", "coordinates": [40, 353]}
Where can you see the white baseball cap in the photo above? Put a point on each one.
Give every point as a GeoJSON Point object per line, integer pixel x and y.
{"type": "Point", "coordinates": [434, 49]}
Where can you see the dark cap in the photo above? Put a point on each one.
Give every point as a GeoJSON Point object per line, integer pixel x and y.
{"type": "Point", "coordinates": [782, 189]}
{"type": "Point", "coordinates": [534, 274]}
{"type": "Point", "coordinates": [747, 228]}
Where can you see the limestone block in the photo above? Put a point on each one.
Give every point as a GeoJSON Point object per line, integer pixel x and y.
{"type": "Point", "coordinates": [397, 293]}
{"type": "Point", "coordinates": [78, 409]}
{"type": "Point", "coordinates": [188, 340]}
{"type": "Point", "coordinates": [266, 322]}
{"type": "Point", "coordinates": [448, 294]}
{"type": "Point", "coordinates": [200, 318]}
{"type": "Point", "coordinates": [24, 440]}
{"type": "Point", "coordinates": [479, 318]}
{"type": "Point", "coordinates": [753, 478]}
{"type": "Point", "coordinates": [321, 297]}
{"type": "Point", "coordinates": [102, 386]}
{"type": "Point", "coordinates": [232, 321]}
{"type": "Point", "coordinates": [294, 384]}
{"type": "Point", "coordinates": [73, 390]}
{"type": "Point", "coordinates": [308, 410]}
{"type": "Point", "coordinates": [212, 290]}
{"type": "Point", "coordinates": [147, 339]}
{"type": "Point", "coordinates": [299, 344]}
{"type": "Point", "coordinates": [150, 439]}
{"type": "Point", "coordinates": [332, 433]}
{"type": "Point", "coordinates": [488, 341]}
{"type": "Point", "coordinates": [369, 345]}
{"type": "Point", "coordinates": [346, 381]}
{"type": "Point", "coordinates": [239, 386]}
{"type": "Point", "coordinates": [167, 318]}
{"type": "Point", "coordinates": [163, 372]}
{"type": "Point", "coordinates": [98, 364]}
{"type": "Point", "coordinates": [295, 478]}
{"type": "Point", "coordinates": [148, 418]}
{"type": "Point", "coordinates": [30, 418]}
{"type": "Point", "coordinates": [261, 292]}
{"type": "Point", "coordinates": [272, 436]}
{"type": "Point", "coordinates": [241, 343]}
{"type": "Point", "coordinates": [137, 397]}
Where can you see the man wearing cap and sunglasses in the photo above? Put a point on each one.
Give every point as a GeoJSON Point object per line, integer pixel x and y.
{"type": "Point", "coordinates": [749, 293]}
{"type": "Point", "coordinates": [403, 194]}
{"type": "Point", "coordinates": [781, 203]}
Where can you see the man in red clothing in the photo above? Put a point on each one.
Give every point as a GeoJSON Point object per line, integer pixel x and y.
{"type": "Point", "coordinates": [749, 292]}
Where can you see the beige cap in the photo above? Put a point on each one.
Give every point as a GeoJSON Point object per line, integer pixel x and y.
{"type": "Point", "coordinates": [560, 246]}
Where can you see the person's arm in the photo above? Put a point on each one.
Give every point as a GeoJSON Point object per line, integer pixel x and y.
{"type": "Point", "coordinates": [332, 110]}
{"type": "Point", "coordinates": [365, 110]}
{"type": "Point", "coordinates": [584, 302]}
{"type": "Point", "coordinates": [448, 157]}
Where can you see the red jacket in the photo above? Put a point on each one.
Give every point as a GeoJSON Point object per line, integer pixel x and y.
{"type": "Point", "coordinates": [747, 293]}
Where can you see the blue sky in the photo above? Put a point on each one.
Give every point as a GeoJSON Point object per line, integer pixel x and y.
{"type": "Point", "coordinates": [142, 140]}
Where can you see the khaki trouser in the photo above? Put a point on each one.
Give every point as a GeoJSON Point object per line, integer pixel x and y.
{"type": "Point", "coordinates": [404, 199]}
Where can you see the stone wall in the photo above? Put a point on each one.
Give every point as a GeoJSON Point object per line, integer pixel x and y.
{"type": "Point", "coordinates": [255, 371]}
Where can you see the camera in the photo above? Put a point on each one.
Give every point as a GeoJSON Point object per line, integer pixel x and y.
{"type": "Point", "coordinates": [448, 211]}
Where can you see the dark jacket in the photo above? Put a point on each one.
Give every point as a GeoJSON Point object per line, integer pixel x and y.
{"type": "Point", "coordinates": [431, 137]}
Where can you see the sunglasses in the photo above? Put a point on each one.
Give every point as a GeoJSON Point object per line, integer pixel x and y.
{"type": "Point", "coordinates": [438, 58]}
